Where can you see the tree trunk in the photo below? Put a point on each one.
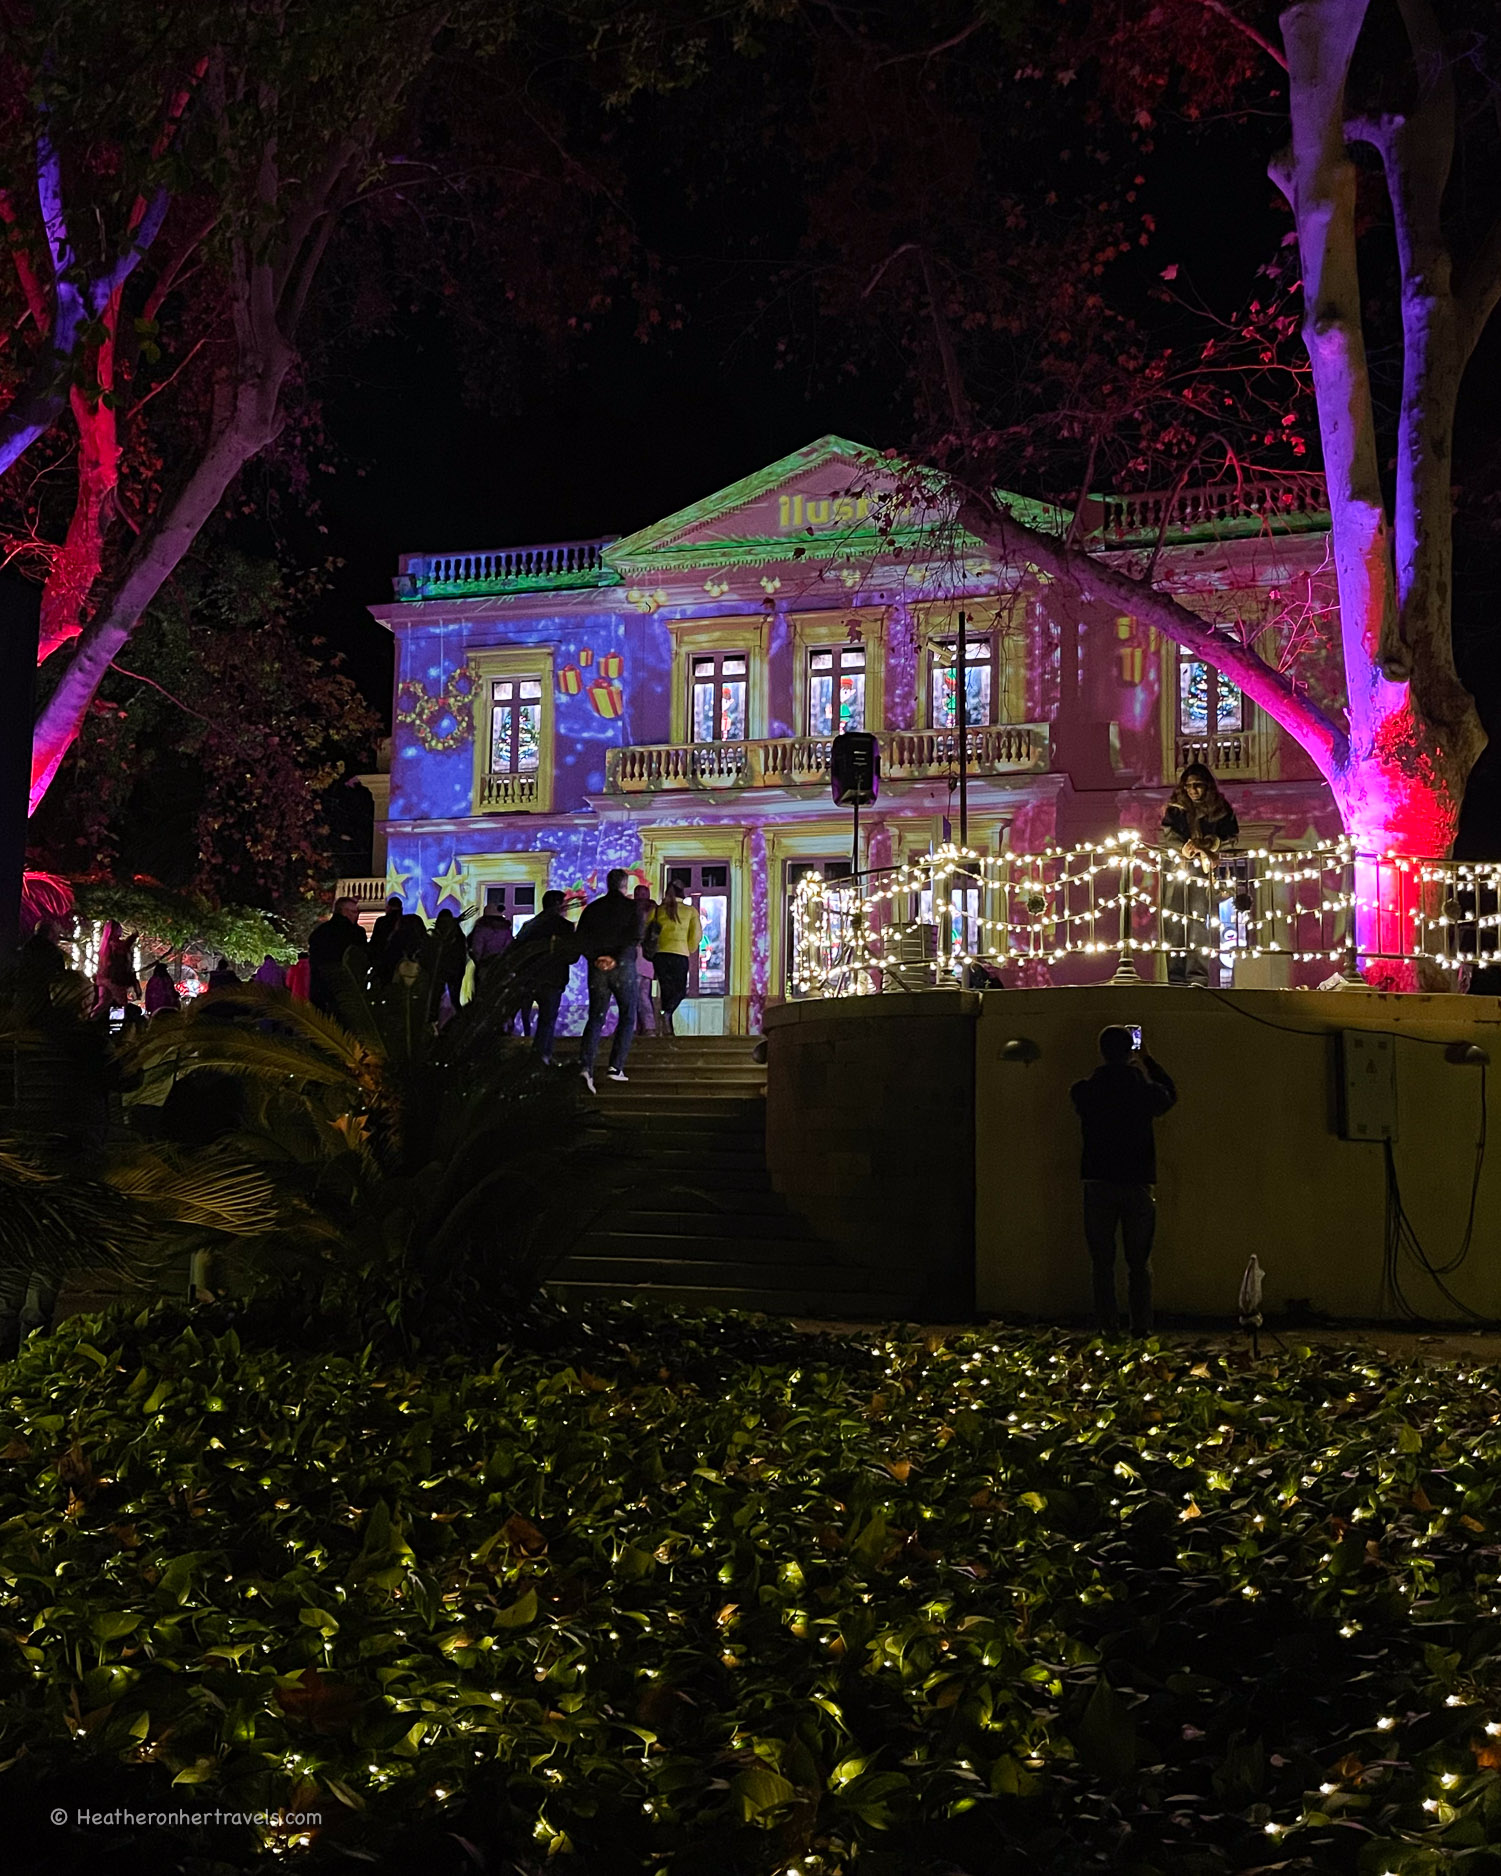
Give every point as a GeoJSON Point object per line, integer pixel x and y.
{"type": "Point", "coordinates": [1012, 543]}
{"type": "Point", "coordinates": [252, 425]}
{"type": "Point", "coordinates": [1401, 779]}
{"type": "Point", "coordinates": [76, 568]}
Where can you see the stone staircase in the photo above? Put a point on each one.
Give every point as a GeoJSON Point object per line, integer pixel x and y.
{"type": "Point", "coordinates": [701, 1224]}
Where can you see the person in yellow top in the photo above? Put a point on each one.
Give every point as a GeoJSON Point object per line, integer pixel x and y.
{"type": "Point", "coordinates": [679, 934]}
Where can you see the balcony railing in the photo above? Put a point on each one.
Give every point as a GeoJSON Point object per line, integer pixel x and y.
{"type": "Point", "coordinates": [505, 570]}
{"type": "Point", "coordinates": [1240, 754]}
{"type": "Point", "coordinates": [1121, 903]}
{"type": "Point", "coordinates": [369, 894]}
{"type": "Point", "coordinates": [793, 761]}
{"type": "Point", "coordinates": [1287, 503]}
{"type": "Point", "coordinates": [500, 794]}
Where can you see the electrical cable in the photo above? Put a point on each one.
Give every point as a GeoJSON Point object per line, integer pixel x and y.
{"type": "Point", "coordinates": [1400, 1234]}
{"type": "Point", "coordinates": [1298, 1029]}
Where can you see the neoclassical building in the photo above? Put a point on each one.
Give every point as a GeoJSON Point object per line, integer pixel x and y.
{"type": "Point", "coordinates": [665, 701]}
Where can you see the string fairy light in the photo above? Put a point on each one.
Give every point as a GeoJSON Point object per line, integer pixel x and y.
{"type": "Point", "coordinates": [954, 907]}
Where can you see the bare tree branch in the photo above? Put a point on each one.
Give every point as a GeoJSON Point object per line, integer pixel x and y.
{"type": "Point", "coordinates": [1478, 291]}
{"type": "Point", "coordinates": [946, 45]}
{"type": "Point", "coordinates": [1221, 11]}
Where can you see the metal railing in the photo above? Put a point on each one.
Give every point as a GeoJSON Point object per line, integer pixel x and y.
{"type": "Point", "coordinates": [929, 921]}
{"type": "Point", "coordinates": [793, 761]}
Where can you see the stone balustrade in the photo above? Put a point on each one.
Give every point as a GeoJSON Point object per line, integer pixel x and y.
{"type": "Point", "coordinates": [500, 793]}
{"type": "Point", "coordinates": [803, 761]}
{"type": "Point", "coordinates": [505, 569]}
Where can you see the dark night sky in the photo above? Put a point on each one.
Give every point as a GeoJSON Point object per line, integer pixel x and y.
{"type": "Point", "coordinates": [625, 436]}
{"type": "Point", "coordinates": [620, 433]}
{"type": "Point", "coordinates": [625, 432]}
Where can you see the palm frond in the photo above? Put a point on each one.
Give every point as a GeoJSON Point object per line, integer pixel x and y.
{"type": "Point", "coordinates": [241, 1051]}
{"type": "Point", "coordinates": [209, 1191]}
{"type": "Point", "coordinates": [292, 1017]}
{"type": "Point", "coordinates": [58, 1220]}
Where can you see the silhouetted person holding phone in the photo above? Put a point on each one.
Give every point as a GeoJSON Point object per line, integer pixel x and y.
{"type": "Point", "coordinates": [1117, 1106]}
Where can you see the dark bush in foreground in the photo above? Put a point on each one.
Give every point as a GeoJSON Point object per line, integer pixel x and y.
{"type": "Point", "coordinates": [709, 1598]}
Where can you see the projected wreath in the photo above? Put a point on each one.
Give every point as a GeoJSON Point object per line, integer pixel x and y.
{"type": "Point", "coordinates": [443, 722]}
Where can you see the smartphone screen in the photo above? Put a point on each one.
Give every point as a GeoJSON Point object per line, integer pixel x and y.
{"type": "Point", "coordinates": [1135, 1029]}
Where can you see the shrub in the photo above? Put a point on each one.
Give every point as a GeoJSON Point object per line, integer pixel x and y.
{"type": "Point", "coordinates": [676, 1598]}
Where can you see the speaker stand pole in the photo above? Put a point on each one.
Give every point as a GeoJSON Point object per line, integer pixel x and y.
{"type": "Point", "coordinates": [961, 718]}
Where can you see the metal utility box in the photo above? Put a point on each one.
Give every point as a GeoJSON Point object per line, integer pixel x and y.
{"type": "Point", "coordinates": [1367, 1086]}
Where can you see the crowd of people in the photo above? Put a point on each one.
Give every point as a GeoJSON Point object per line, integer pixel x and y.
{"type": "Point", "coordinates": [637, 952]}
{"type": "Point", "coordinates": [637, 955]}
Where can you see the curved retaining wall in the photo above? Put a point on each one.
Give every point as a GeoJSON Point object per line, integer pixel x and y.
{"type": "Point", "coordinates": [870, 1133]}
{"type": "Point", "coordinates": [900, 1128]}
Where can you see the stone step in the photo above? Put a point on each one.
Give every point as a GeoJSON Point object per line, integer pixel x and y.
{"type": "Point", "coordinates": [727, 1084]}
{"type": "Point", "coordinates": [684, 1048]}
{"type": "Point", "coordinates": [747, 1188]}
{"type": "Point", "coordinates": [747, 1273]}
{"type": "Point", "coordinates": [672, 1230]}
{"type": "Point", "coordinates": [629, 1116]}
{"type": "Point", "coordinates": [705, 1201]}
{"type": "Point", "coordinates": [689, 1157]}
{"type": "Point", "coordinates": [876, 1308]}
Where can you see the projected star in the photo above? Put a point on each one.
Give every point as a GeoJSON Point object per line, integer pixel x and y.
{"type": "Point", "coordinates": [450, 882]}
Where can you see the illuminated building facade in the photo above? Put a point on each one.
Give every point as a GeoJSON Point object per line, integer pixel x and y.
{"type": "Point", "coordinates": [664, 701]}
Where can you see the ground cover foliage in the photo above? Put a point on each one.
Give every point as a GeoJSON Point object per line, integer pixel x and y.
{"type": "Point", "coordinates": [701, 1595]}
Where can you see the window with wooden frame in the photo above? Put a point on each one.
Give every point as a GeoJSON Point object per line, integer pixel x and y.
{"type": "Point", "coordinates": [836, 689]}
{"type": "Point", "coordinates": [838, 672]}
{"type": "Point", "coordinates": [995, 678]}
{"type": "Point", "coordinates": [513, 730]}
{"type": "Point", "coordinates": [707, 656]}
{"type": "Point", "coordinates": [981, 690]}
{"type": "Point", "coordinates": [719, 696]}
{"type": "Point", "coordinates": [1209, 705]}
{"type": "Point", "coordinates": [509, 884]}
{"type": "Point", "coordinates": [515, 725]}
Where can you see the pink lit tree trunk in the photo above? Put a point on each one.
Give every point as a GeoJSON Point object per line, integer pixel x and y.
{"type": "Point", "coordinates": [199, 164]}
{"type": "Point", "coordinates": [273, 258]}
{"type": "Point", "coordinates": [1398, 764]}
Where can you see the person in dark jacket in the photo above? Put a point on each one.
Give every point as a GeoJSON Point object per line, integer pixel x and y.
{"type": "Point", "coordinates": [336, 944]}
{"type": "Point", "coordinates": [491, 938]}
{"type": "Point", "coordinates": [608, 933]}
{"type": "Point", "coordinates": [407, 944]}
{"type": "Point", "coordinates": [161, 992]}
{"type": "Point", "coordinates": [224, 976]}
{"type": "Point", "coordinates": [1117, 1107]}
{"type": "Point", "coordinates": [449, 956]}
{"type": "Point", "coordinates": [1198, 821]}
{"type": "Point", "coordinates": [384, 929]}
{"type": "Point", "coordinates": [548, 977]}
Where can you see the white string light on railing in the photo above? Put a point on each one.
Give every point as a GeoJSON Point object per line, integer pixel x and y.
{"type": "Point", "coordinates": [849, 937]}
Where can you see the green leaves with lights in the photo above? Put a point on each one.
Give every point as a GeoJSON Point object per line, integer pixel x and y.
{"type": "Point", "coordinates": [713, 1594]}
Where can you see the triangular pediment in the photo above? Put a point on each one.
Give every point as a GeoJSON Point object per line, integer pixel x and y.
{"type": "Point", "coordinates": [830, 498]}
